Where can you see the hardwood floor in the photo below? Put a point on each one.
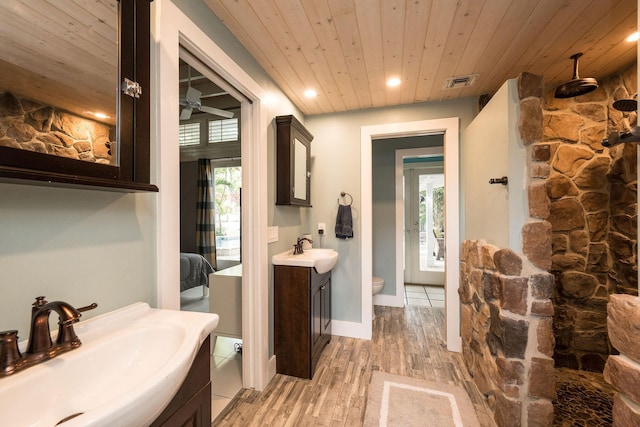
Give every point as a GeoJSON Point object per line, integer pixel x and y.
{"type": "Point", "coordinates": [406, 341]}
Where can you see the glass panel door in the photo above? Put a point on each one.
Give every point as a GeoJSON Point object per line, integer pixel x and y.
{"type": "Point", "coordinates": [424, 227]}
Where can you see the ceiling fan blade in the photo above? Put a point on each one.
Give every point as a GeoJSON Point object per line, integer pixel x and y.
{"type": "Point", "coordinates": [216, 111]}
{"type": "Point", "coordinates": [193, 95]}
{"type": "Point", "coordinates": [185, 114]}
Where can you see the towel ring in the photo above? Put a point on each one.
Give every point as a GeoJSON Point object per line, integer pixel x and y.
{"type": "Point", "coordinates": [343, 195]}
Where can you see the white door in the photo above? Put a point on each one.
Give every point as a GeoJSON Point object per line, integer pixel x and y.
{"type": "Point", "coordinates": [424, 225]}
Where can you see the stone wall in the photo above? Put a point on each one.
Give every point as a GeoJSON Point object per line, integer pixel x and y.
{"type": "Point", "coordinates": [592, 208]}
{"type": "Point", "coordinates": [507, 333]}
{"type": "Point", "coordinates": [507, 323]}
{"type": "Point", "coordinates": [623, 371]}
{"type": "Point", "coordinates": [32, 126]}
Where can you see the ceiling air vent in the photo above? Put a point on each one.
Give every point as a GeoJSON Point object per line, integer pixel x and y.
{"type": "Point", "coordinates": [460, 81]}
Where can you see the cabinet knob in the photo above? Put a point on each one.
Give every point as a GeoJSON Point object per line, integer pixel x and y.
{"type": "Point", "coordinates": [323, 287]}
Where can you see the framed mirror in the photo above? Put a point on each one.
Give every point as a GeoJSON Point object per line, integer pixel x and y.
{"type": "Point", "coordinates": [74, 93]}
{"type": "Point", "coordinates": [293, 146]}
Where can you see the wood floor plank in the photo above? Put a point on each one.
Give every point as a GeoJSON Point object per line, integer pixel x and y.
{"type": "Point", "coordinates": [406, 341]}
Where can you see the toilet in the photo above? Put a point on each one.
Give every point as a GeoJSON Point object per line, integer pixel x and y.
{"type": "Point", "coordinates": [377, 284]}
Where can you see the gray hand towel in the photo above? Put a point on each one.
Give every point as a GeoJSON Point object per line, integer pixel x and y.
{"type": "Point", "coordinates": [344, 222]}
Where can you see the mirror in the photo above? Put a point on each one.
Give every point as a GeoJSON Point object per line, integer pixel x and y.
{"type": "Point", "coordinates": [300, 170]}
{"type": "Point", "coordinates": [59, 78]}
{"type": "Point", "coordinates": [293, 152]}
{"type": "Point", "coordinates": [63, 117]}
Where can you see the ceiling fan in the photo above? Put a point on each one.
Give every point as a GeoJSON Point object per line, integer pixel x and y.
{"type": "Point", "coordinates": [192, 101]}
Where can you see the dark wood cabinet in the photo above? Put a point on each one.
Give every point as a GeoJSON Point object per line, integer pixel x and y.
{"type": "Point", "coordinates": [302, 318]}
{"type": "Point", "coordinates": [293, 164]}
{"type": "Point", "coordinates": [191, 406]}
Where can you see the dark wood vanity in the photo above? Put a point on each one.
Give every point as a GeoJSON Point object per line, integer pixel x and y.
{"type": "Point", "coordinates": [302, 318]}
{"type": "Point", "coordinates": [191, 406]}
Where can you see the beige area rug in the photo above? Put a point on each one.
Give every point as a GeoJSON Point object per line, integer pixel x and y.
{"type": "Point", "coordinates": [403, 401]}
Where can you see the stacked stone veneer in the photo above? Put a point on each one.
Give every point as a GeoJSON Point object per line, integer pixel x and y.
{"type": "Point", "coordinates": [590, 199]}
{"type": "Point", "coordinates": [623, 371]}
{"type": "Point", "coordinates": [507, 333]}
{"type": "Point", "coordinates": [581, 227]}
{"type": "Point", "coordinates": [29, 125]}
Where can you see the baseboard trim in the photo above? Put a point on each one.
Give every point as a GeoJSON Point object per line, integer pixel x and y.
{"type": "Point", "coordinates": [388, 300]}
{"type": "Point", "coordinates": [271, 368]}
{"type": "Point", "coordinates": [350, 329]}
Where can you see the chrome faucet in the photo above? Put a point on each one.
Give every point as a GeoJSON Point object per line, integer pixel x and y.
{"type": "Point", "coordinates": [297, 248]}
{"type": "Point", "coordinates": [40, 347]}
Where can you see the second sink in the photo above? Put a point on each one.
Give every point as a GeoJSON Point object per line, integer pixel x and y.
{"type": "Point", "coordinates": [321, 259]}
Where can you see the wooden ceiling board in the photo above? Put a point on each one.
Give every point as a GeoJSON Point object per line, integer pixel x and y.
{"type": "Point", "coordinates": [353, 46]}
{"type": "Point", "coordinates": [485, 29]}
{"type": "Point", "coordinates": [368, 15]}
{"type": "Point", "coordinates": [581, 35]}
{"type": "Point", "coordinates": [312, 52]}
{"type": "Point", "coordinates": [322, 22]}
{"type": "Point", "coordinates": [392, 31]}
{"type": "Point", "coordinates": [346, 24]}
{"type": "Point", "coordinates": [285, 39]}
{"type": "Point", "coordinates": [464, 21]}
{"type": "Point", "coordinates": [261, 46]}
{"type": "Point", "coordinates": [511, 62]}
{"type": "Point", "coordinates": [414, 35]}
{"type": "Point", "coordinates": [441, 19]}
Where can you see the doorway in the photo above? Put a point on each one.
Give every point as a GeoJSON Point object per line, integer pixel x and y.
{"type": "Point", "coordinates": [210, 215]}
{"type": "Point", "coordinates": [172, 30]}
{"type": "Point", "coordinates": [449, 128]}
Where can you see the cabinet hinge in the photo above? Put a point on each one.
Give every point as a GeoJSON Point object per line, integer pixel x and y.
{"type": "Point", "coordinates": [131, 88]}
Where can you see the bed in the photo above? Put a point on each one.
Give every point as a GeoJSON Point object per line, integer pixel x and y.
{"type": "Point", "coordinates": [194, 271]}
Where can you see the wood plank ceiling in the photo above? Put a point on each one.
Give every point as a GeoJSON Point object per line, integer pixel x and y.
{"type": "Point", "coordinates": [346, 49]}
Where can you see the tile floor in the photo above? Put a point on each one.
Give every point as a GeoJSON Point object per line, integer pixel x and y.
{"type": "Point", "coordinates": [424, 296]}
{"type": "Point", "coordinates": [226, 373]}
{"type": "Point", "coordinates": [226, 363]}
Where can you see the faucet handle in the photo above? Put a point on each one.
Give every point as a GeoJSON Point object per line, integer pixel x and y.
{"type": "Point", "coordinates": [87, 307]}
{"type": "Point", "coordinates": [40, 301]}
{"type": "Point", "coordinates": [9, 352]}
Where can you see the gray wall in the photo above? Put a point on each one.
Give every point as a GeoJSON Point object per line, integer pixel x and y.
{"type": "Point", "coordinates": [336, 167]}
{"type": "Point", "coordinates": [80, 246]}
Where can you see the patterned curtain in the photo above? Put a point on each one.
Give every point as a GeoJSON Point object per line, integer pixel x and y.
{"type": "Point", "coordinates": [205, 225]}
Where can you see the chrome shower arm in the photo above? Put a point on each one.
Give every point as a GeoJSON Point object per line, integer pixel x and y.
{"type": "Point", "coordinates": [616, 138]}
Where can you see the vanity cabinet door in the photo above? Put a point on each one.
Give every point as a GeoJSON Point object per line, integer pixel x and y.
{"type": "Point", "coordinates": [302, 319]}
{"type": "Point", "coordinates": [320, 314]}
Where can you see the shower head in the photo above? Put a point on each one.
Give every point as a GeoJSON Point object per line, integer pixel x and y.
{"type": "Point", "coordinates": [626, 104]}
{"type": "Point", "coordinates": [576, 86]}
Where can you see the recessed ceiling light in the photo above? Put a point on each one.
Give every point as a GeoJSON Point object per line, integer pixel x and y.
{"type": "Point", "coordinates": [393, 82]}
{"type": "Point", "coordinates": [310, 93]}
{"type": "Point", "coordinates": [99, 115]}
{"type": "Point", "coordinates": [633, 37]}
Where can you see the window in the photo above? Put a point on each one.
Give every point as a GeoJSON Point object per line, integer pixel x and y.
{"type": "Point", "coordinates": [189, 134]}
{"type": "Point", "coordinates": [223, 130]}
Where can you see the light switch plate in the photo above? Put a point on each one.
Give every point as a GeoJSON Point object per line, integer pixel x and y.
{"type": "Point", "coordinates": [272, 234]}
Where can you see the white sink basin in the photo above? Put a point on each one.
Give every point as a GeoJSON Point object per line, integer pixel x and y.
{"type": "Point", "coordinates": [322, 260]}
{"type": "Point", "coordinates": [130, 365]}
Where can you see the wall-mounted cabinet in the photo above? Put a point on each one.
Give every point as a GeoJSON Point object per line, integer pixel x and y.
{"type": "Point", "coordinates": [80, 118]}
{"type": "Point", "coordinates": [293, 152]}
